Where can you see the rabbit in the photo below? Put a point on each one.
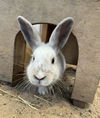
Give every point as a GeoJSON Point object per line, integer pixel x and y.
{"type": "Point", "coordinates": [47, 64]}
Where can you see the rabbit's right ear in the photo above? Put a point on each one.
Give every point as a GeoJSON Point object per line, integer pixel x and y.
{"type": "Point", "coordinates": [30, 34]}
{"type": "Point", "coordinates": [61, 33]}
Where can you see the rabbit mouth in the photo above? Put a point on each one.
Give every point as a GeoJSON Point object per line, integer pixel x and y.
{"type": "Point", "coordinates": [41, 82]}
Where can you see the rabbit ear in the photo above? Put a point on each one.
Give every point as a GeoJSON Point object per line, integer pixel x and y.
{"type": "Point", "coordinates": [30, 34]}
{"type": "Point", "coordinates": [61, 33]}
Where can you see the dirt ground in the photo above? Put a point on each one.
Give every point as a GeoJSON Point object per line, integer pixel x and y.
{"type": "Point", "coordinates": [20, 104]}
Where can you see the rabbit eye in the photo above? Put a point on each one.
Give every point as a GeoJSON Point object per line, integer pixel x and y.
{"type": "Point", "coordinates": [53, 60]}
{"type": "Point", "coordinates": [33, 58]}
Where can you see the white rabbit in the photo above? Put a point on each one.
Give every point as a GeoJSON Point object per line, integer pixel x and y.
{"type": "Point", "coordinates": [47, 64]}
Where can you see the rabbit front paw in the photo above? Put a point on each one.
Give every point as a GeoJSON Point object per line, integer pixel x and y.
{"type": "Point", "coordinates": [43, 90]}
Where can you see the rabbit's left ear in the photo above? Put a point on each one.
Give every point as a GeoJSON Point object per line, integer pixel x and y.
{"type": "Point", "coordinates": [30, 34]}
{"type": "Point", "coordinates": [61, 33]}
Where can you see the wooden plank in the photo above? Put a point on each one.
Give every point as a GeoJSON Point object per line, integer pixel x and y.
{"type": "Point", "coordinates": [80, 104]}
{"type": "Point", "coordinates": [88, 69]}
{"type": "Point", "coordinates": [43, 32]}
{"type": "Point", "coordinates": [74, 67]}
{"type": "Point", "coordinates": [71, 50]}
{"type": "Point", "coordinates": [46, 30]}
{"type": "Point", "coordinates": [19, 57]}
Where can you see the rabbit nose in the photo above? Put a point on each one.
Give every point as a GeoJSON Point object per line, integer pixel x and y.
{"type": "Point", "coordinates": [39, 78]}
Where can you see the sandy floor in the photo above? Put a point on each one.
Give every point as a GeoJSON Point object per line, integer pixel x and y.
{"type": "Point", "coordinates": [16, 104]}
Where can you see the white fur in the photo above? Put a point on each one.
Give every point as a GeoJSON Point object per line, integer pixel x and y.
{"type": "Point", "coordinates": [42, 66]}
{"type": "Point", "coordinates": [43, 54]}
{"type": "Point", "coordinates": [43, 90]}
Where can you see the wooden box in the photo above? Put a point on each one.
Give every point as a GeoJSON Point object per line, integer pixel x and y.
{"type": "Point", "coordinates": [86, 33]}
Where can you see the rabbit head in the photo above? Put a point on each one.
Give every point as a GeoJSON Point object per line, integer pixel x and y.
{"type": "Point", "coordinates": [47, 63]}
